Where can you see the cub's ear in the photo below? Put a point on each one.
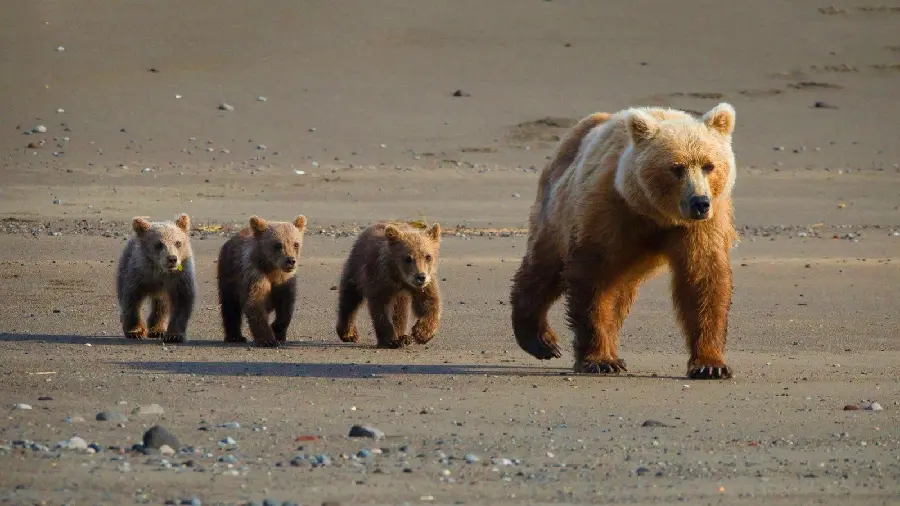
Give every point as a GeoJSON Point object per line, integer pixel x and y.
{"type": "Point", "coordinates": [641, 126]}
{"type": "Point", "coordinates": [140, 225]}
{"type": "Point", "coordinates": [258, 225]}
{"type": "Point", "coordinates": [300, 222]}
{"type": "Point", "coordinates": [435, 232]}
{"type": "Point", "coordinates": [720, 118]}
{"type": "Point", "coordinates": [392, 233]}
{"type": "Point", "coordinates": [183, 222]}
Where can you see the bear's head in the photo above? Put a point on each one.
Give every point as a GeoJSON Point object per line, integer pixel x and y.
{"type": "Point", "coordinates": [683, 166]}
{"type": "Point", "coordinates": [166, 244]}
{"type": "Point", "coordinates": [278, 244]}
{"type": "Point", "coordinates": [415, 253]}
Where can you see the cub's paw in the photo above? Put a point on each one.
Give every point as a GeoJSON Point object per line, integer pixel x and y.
{"type": "Point", "coordinates": [707, 372]}
{"type": "Point", "coordinates": [419, 335]}
{"type": "Point", "coordinates": [349, 335]}
{"type": "Point", "coordinates": [138, 332]}
{"type": "Point", "coordinates": [156, 333]}
{"type": "Point", "coordinates": [236, 339]}
{"type": "Point", "coordinates": [267, 343]}
{"type": "Point", "coordinates": [544, 347]}
{"type": "Point", "coordinates": [399, 342]}
{"type": "Point", "coordinates": [173, 337]}
{"type": "Point", "coordinates": [281, 337]}
{"type": "Point", "coordinates": [589, 366]}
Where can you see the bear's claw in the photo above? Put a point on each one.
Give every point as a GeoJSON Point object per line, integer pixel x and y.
{"type": "Point", "coordinates": [601, 367]}
{"type": "Point", "coordinates": [239, 339]}
{"type": "Point", "coordinates": [173, 337]}
{"type": "Point", "coordinates": [401, 342]}
{"type": "Point", "coordinates": [266, 343]}
{"type": "Point", "coordinates": [705, 372]}
{"type": "Point", "coordinates": [350, 336]}
{"type": "Point", "coordinates": [156, 334]}
{"type": "Point", "coordinates": [542, 349]}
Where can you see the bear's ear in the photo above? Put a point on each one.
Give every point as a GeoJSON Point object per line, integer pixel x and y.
{"type": "Point", "coordinates": [183, 222]}
{"type": "Point", "coordinates": [300, 222]}
{"type": "Point", "coordinates": [392, 233]}
{"type": "Point", "coordinates": [140, 225]}
{"type": "Point", "coordinates": [435, 232]}
{"type": "Point", "coordinates": [258, 225]}
{"type": "Point", "coordinates": [720, 118]}
{"type": "Point", "coordinates": [641, 126]}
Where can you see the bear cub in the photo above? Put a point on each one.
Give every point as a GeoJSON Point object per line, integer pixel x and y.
{"type": "Point", "coordinates": [157, 263]}
{"type": "Point", "coordinates": [257, 275]}
{"type": "Point", "coordinates": [393, 266]}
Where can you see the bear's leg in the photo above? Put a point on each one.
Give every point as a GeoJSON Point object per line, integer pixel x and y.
{"type": "Point", "coordinates": [427, 306]}
{"type": "Point", "coordinates": [232, 314]}
{"type": "Point", "coordinates": [182, 295]}
{"type": "Point", "coordinates": [159, 316]}
{"type": "Point", "coordinates": [132, 325]}
{"type": "Point", "coordinates": [701, 290]}
{"type": "Point", "coordinates": [380, 308]}
{"type": "Point", "coordinates": [400, 312]}
{"type": "Point", "coordinates": [536, 286]}
{"type": "Point", "coordinates": [284, 298]}
{"type": "Point", "coordinates": [349, 301]}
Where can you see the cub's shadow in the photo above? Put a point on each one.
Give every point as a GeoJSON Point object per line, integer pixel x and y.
{"type": "Point", "coordinates": [117, 340]}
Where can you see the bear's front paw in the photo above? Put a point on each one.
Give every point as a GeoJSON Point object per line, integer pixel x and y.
{"type": "Point", "coordinates": [349, 335]}
{"type": "Point", "coordinates": [267, 343]}
{"type": "Point", "coordinates": [419, 335]}
{"type": "Point", "coordinates": [173, 337]}
{"type": "Point", "coordinates": [545, 347]}
{"type": "Point", "coordinates": [156, 333]}
{"type": "Point", "coordinates": [706, 372]}
{"type": "Point", "coordinates": [603, 366]}
{"type": "Point", "coordinates": [138, 332]}
{"type": "Point", "coordinates": [281, 337]}
{"type": "Point", "coordinates": [399, 342]}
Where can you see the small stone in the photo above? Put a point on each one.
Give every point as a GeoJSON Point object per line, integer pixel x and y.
{"type": "Point", "coordinates": [471, 458]}
{"type": "Point", "coordinates": [461, 93]}
{"type": "Point", "coordinates": [366, 431]}
{"type": "Point", "coordinates": [166, 450]}
{"type": "Point", "coordinates": [45, 398]}
{"type": "Point", "coordinates": [851, 407]}
{"type": "Point", "coordinates": [74, 419]}
{"type": "Point", "coordinates": [111, 416]}
{"type": "Point", "coordinates": [60, 49]}
{"type": "Point", "coordinates": [76, 443]}
{"type": "Point", "coordinates": [226, 107]}
{"type": "Point", "coordinates": [228, 459]}
{"type": "Point", "coordinates": [22, 406]}
{"type": "Point", "coordinates": [228, 441]}
{"type": "Point", "coordinates": [364, 454]}
{"type": "Point", "coordinates": [516, 195]}
{"type": "Point", "coordinates": [641, 471]}
{"type": "Point", "coordinates": [40, 129]}
{"type": "Point", "coordinates": [823, 105]}
{"type": "Point", "coordinates": [150, 409]}
{"type": "Point", "coordinates": [262, 99]}
{"type": "Point", "coordinates": [229, 425]}
{"type": "Point", "coordinates": [60, 111]}
{"type": "Point", "coordinates": [261, 147]}
{"type": "Point", "coordinates": [94, 446]}
{"type": "Point", "coordinates": [874, 406]}
{"type": "Point", "coordinates": [193, 501]}
{"type": "Point", "coordinates": [157, 436]}
{"type": "Point", "coordinates": [653, 423]}
{"type": "Point", "coordinates": [779, 148]}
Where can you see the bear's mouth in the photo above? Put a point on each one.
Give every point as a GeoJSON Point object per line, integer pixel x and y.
{"type": "Point", "coordinates": [288, 268]}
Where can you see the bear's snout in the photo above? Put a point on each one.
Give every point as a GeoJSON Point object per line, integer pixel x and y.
{"type": "Point", "coordinates": [420, 278]}
{"type": "Point", "coordinates": [289, 263]}
{"type": "Point", "coordinates": [700, 207]}
{"type": "Point", "coordinates": [172, 260]}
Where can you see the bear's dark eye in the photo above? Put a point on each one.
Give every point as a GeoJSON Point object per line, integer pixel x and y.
{"type": "Point", "coordinates": [708, 167]}
{"type": "Point", "coordinates": [427, 258]}
{"type": "Point", "coordinates": [160, 245]}
{"type": "Point", "coordinates": [678, 169]}
{"type": "Point", "coordinates": [177, 244]}
{"type": "Point", "coordinates": [277, 246]}
{"type": "Point", "coordinates": [409, 259]}
{"type": "Point", "coordinates": [296, 245]}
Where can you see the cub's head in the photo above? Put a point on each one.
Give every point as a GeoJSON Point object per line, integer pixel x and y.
{"type": "Point", "coordinates": [278, 244]}
{"type": "Point", "coordinates": [166, 244]}
{"type": "Point", "coordinates": [415, 253]}
{"type": "Point", "coordinates": [682, 165]}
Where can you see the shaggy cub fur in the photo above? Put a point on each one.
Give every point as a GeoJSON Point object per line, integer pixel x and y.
{"type": "Point", "coordinates": [257, 275]}
{"type": "Point", "coordinates": [157, 262]}
{"type": "Point", "coordinates": [393, 266]}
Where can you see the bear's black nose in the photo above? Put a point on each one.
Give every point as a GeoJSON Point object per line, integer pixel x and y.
{"type": "Point", "coordinates": [699, 207]}
{"type": "Point", "coordinates": [172, 259]}
{"type": "Point", "coordinates": [290, 261]}
{"type": "Point", "coordinates": [420, 278]}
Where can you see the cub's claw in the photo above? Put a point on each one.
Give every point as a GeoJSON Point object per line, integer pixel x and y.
{"type": "Point", "coordinates": [601, 366]}
{"type": "Point", "coordinates": [706, 372]}
{"type": "Point", "coordinates": [348, 336]}
{"type": "Point", "coordinates": [173, 337]}
{"type": "Point", "coordinates": [400, 342]}
{"type": "Point", "coordinates": [266, 343]}
{"type": "Point", "coordinates": [156, 334]}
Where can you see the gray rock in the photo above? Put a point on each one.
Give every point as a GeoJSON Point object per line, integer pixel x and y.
{"type": "Point", "coordinates": [157, 436]}
{"type": "Point", "coordinates": [111, 416]}
{"type": "Point", "coordinates": [471, 458]}
{"type": "Point", "coordinates": [226, 107]}
{"type": "Point", "coordinates": [366, 431]}
{"type": "Point", "coordinates": [74, 419]}
{"type": "Point", "coordinates": [76, 443]}
{"type": "Point", "coordinates": [150, 409]}
{"type": "Point", "coordinates": [22, 406]}
{"type": "Point", "coordinates": [653, 423]}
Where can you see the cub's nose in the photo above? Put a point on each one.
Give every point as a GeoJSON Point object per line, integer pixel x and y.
{"type": "Point", "coordinates": [172, 259]}
{"type": "Point", "coordinates": [420, 278]}
{"type": "Point", "coordinates": [699, 207]}
{"type": "Point", "coordinates": [290, 261]}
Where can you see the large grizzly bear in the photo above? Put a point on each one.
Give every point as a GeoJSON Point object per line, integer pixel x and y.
{"type": "Point", "coordinates": [157, 262]}
{"type": "Point", "coordinates": [623, 195]}
{"type": "Point", "coordinates": [393, 266]}
{"type": "Point", "coordinates": [257, 275]}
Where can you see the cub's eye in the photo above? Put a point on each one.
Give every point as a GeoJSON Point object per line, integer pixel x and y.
{"type": "Point", "coordinates": [678, 169]}
{"type": "Point", "coordinates": [427, 258]}
{"type": "Point", "coordinates": [277, 246]}
{"type": "Point", "coordinates": [160, 245]}
{"type": "Point", "coordinates": [296, 245]}
{"type": "Point", "coordinates": [409, 259]}
{"type": "Point", "coordinates": [708, 167]}
{"type": "Point", "coordinates": [177, 244]}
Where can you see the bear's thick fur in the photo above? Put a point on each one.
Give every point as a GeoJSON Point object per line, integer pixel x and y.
{"type": "Point", "coordinates": [257, 275]}
{"type": "Point", "coordinates": [157, 262]}
{"type": "Point", "coordinates": [623, 195]}
{"type": "Point", "coordinates": [393, 266]}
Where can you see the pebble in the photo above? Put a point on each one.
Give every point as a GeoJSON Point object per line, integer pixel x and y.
{"type": "Point", "coordinates": [823, 105]}
{"type": "Point", "coordinates": [151, 409]}
{"type": "Point", "coordinates": [226, 107]}
{"type": "Point", "coordinates": [851, 407]}
{"type": "Point", "coordinates": [40, 129]}
{"type": "Point", "coordinates": [73, 419]}
{"type": "Point", "coordinates": [60, 49]}
{"type": "Point", "coordinates": [111, 416]}
{"type": "Point", "coordinates": [229, 425]}
{"type": "Point", "coordinates": [461, 93]}
{"type": "Point", "coordinates": [653, 423]}
{"type": "Point", "coordinates": [157, 436]}
{"type": "Point", "coordinates": [874, 406]}
{"type": "Point", "coordinates": [363, 454]}
{"type": "Point", "coordinates": [193, 501]}
{"type": "Point", "coordinates": [228, 459]}
{"type": "Point", "coordinates": [261, 147]}
{"type": "Point", "coordinates": [262, 98]}
{"type": "Point", "coordinates": [228, 441]}
{"type": "Point", "coordinates": [366, 431]}
{"type": "Point", "coordinates": [471, 458]}
{"type": "Point", "coordinates": [60, 111]}
{"type": "Point", "coordinates": [166, 450]}
{"type": "Point", "coordinates": [76, 443]}
{"type": "Point", "coordinates": [22, 406]}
